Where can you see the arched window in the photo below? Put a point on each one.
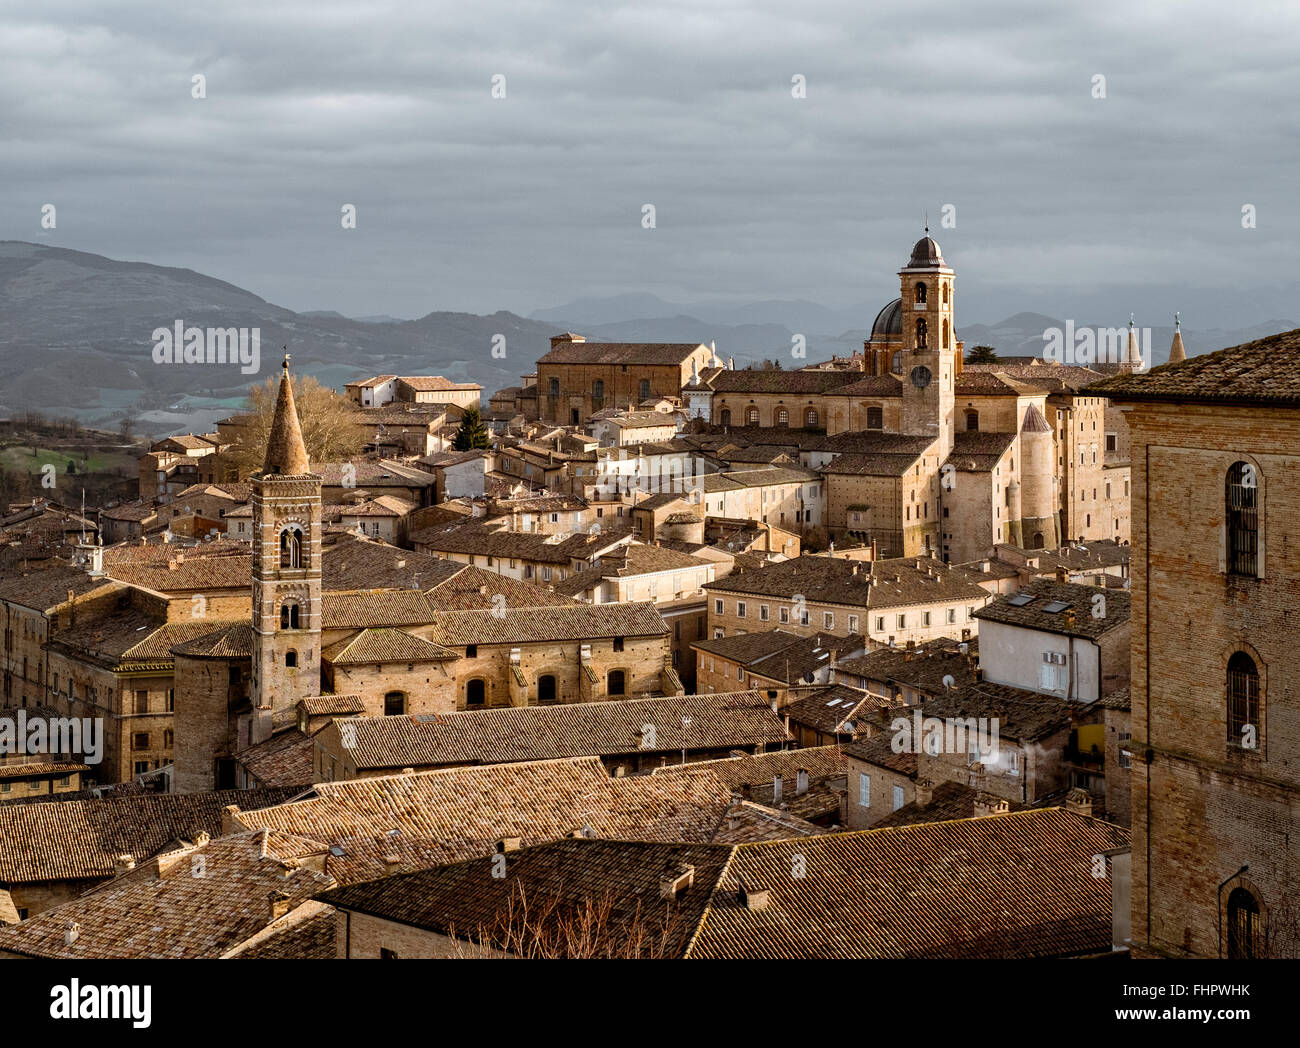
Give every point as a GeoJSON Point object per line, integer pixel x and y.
{"type": "Point", "coordinates": [725, 417]}
{"type": "Point", "coordinates": [896, 363]}
{"type": "Point", "coordinates": [945, 294]}
{"type": "Point", "coordinates": [289, 617]}
{"type": "Point", "coordinates": [291, 552]}
{"type": "Point", "coordinates": [782, 417]}
{"type": "Point", "coordinates": [751, 416]}
{"type": "Point", "coordinates": [394, 704]}
{"type": "Point", "coordinates": [922, 330]}
{"type": "Point", "coordinates": [555, 387]}
{"type": "Point", "coordinates": [875, 418]}
{"type": "Point", "coordinates": [617, 684]}
{"type": "Point", "coordinates": [1242, 497]}
{"type": "Point", "coordinates": [291, 659]}
{"type": "Point", "coordinates": [1245, 728]}
{"type": "Point", "coordinates": [810, 418]}
{"type": "Point", "coordinates": [972, 420]}
{"type": "Point", "coordinates": [1245, 926]}
{"type": "Point", "coordinates": [475, 693]}
{"type": "Point", "coordinates": [1038, 540]}
{"type": "Point", "coordinates": [598, 389]}
{"type": "Point", "coordinates": [920, 293]}
{"type": "Point", "coordinates": [945, 334]}
{"type": "Point", "coordinates": [546, 689]}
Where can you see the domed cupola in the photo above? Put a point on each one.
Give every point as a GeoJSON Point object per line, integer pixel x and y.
{"type": "Point", "coordinates": [926, 254]}
{"type": "Point", "coordinates": [889, 321]}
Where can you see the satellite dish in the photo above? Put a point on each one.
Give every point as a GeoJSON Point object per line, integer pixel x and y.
{"type": "Point", "coordinates": [948, 682]}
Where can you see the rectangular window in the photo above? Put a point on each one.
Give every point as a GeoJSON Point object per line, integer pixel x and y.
{"type": "Point", "coordinates": [880, 624]}
{"type": "Point", "coordinates": [141, 702]}
{"type": "Point", "coordinates": [902, 622]}
{"type": "Point", "coordinates": [740, 609]}
{"type": "Point", "coordinates": [828, 620]}
{"type": "Point", "coordinates": [864, 790]}
{"type": "Point", "coordinates": [898, 797]}
{"type": "Point", "coordinates": [763, 612]}
{"type": "Point", "coordinates": [853, 624]}
{"type": "Point", "coordinates": [140, 740]}
{"type": "Point", "coordinates": [925, 618]}
{"type": "Point", "coordinates": [952, 615]}
{"type": "Point", "coordinates": [785, 614]}
{"type": "Point", "coordinates": [717, 606]}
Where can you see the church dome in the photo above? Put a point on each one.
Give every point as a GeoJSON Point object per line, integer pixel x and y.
{"type": "Point", "coordinates": [889, 321]}
{"type": "Point", "coordinates": [925, 253]}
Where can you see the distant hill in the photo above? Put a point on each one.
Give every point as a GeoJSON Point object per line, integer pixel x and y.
{"type": "Point", "coordinates": [75, 337]}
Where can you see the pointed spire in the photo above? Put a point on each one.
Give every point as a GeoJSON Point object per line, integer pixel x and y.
{"type": "Point", "coordinates": [1133, 352]}
{"type": "Point", "coordinates": [286, 455]}
{"type": "Point", "coordinates": [1176, 351]}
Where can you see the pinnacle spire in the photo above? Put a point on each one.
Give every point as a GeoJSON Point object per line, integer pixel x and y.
{"type": "Point", "coordinates": [286, 454]}
{"type": "Point", "coordinates": [1176, 350]}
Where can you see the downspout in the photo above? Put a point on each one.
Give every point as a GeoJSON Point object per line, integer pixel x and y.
{"type": "Point", "coordinates": [1149, 755]}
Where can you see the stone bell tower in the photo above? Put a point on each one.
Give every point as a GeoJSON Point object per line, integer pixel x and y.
{"type": "Point", "coordinates": [929, 345]}
{"type": "Point", "coordinates": [286, 569]}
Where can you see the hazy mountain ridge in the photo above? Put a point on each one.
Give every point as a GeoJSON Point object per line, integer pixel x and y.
{"type": "Point", "coordinates": [75, 337]}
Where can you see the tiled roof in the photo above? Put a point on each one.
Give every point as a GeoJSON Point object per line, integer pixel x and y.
{"type": "Point", "coordinates": [1016, 885]}
{"type": "Point", "coordinates": [1042, 375]}
{"type": "Point", "coordinates": [474, 588]}
{"type": "Point", "coordinates": [170, 911]}
{"type": "Point", "coordinates": [434, 383]}
{"type": "Point", "coordinates": [747, 822]}
{"type": "Point", "coordinates": [492, 539]}
{"type": "Point", "coordinates": [780, 655]}
{"type": "Point", "coordinates": [48, 589]}
{"type": "Point", "coordinates": [511, 625]}
{"type": "Point", "coordinates": [369, 473]}
{"type": "Point", "coordinates": [306, 932]}
{"type": "Point", "coordinates": [923, 667]}
{"type": "Point", "coordinates": [78, 840]}
{"type": "Point", "coordinates": [375, 608]}
{"type": "Point", "coordinates": [879, 750]}
{"type": "Point", "coordinates": [1264, 371]}
{"type": "Point", "coordinates": [353, 563]}
{"type": "Point", "coordinates": [835, 580]}
{"type": "Point", "coordinates": [652, 354]}
{"type": "Point", "coordinates": [948, 800]}
{"type": "Point", "coordinates": [884, 463]}
{"type": "Point", "coordinates": [383, 645]}
{"type": "Point", "coordinates": [773, 381]}
{"type": "Point", "coordinates": [457, 813]}
{"type": "Point", "coordinates": [759, 769]}
{"type": "Point", "coordinates": [1067, 608]}
{"type": "Point", "coordinates": [876, 386]}
{"type": "Point", "coordinates": [326, 705]}
{"type": "Point", "coordinates": [189, 570]}
{"type": "Point", "coordinates": [832, 709]}
{"type": "Point", "coordinates": [531, 733]}
{"type": "Point", "coordinates": [40, 769]}
{"type": "Point", "coordinates": [979, 451]}
{"type": "Point", "coordinates": [285, 759]}
{"type": "Point", "coordinates": [132, 636]}
{"type": "Point", "coordinates": [231, 642]}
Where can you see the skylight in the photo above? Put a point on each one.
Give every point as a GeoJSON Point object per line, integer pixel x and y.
{"type": "Point", "coordinates": [1053, 606]}
{"type": "Point", "coordinates": [1020, 600]}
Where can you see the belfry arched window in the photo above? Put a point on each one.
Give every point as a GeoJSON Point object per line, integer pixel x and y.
{"type": "Point", "coordinates": [291, 551]}
{"type": "Point", "coordinates": [922, 333]}
{"type": "Point", "coordinates": [289, 617]}
{"type": "Point", "coordinates": [1245, 726]}
{"type": "Point", "coordinates": [1241, 495]}
{"type": "Point", "coordinates": [920, 293]}
{"type": "Point", "coordinates": [945, 334]}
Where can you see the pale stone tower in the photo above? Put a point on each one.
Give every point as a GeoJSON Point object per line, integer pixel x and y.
{"type": "Point", "coordinates": [1176, 351]}
{"type": "Point", "coordinates": [1132, 361]}
{"type": "Point", "coordinates": [286, 569]}
{"type": "Point", "coordinates": [929, 345]}
{"type": "Point", "coordinates": [1039, 523]}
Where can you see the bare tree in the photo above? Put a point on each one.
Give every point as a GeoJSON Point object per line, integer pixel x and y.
{"type": "Point", "coordinates": [329, 424]}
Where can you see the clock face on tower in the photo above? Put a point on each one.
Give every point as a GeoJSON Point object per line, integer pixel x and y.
{"type": "Point", "coordinates": [921, 376]}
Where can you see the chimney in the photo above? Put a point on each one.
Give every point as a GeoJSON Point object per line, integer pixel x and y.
{"type": "Point", "coordinates": [123, 863]}
{"type": "Point", "coordinates": [987, 804]}
{"type": "Point", "coordinates": [71, 931]}
{"type": "Point", "coordinates": [1062, 573]}
{"type": "Point", "coordinates": [509, 844]}
{"type": "Point", "coordinates": [924, 793]}
{"type": "Point", "coordinates": [777, 789]}
{"type": "Point", "coordinates": [673, 885]}
{"type": "Point", "coordinates": [801, 781]}
{"type": "Point", "coordinates": [754, 901]}
{"type": "Point", "coordinates": [1079, 801]}
{"type": "Point", "coordinates": [279, 904]}
{"type": "Point", "coordinates": [1068, 618]}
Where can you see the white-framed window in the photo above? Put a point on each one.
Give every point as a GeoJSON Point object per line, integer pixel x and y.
{"type": "Point", "coordinates": [763, 612]}
{"type": "Point", "coordinates": [925, 618]}
{"type": "Point", "coordinates": [898, 797]}
{"type": "Point", "coordinates": [880, 624]}
{"type": "Point", "coordinates": [828, 620]}
{"type": "Point", "coordinates": [864, 790]}
{"type": "Point", "coordinates": [902, 622]}
{"type": "Point", "coordinates": [952, 615]}
{"type": "Point", "coordinates": [853, 624]}
{"type": "Point", "coordinates": [740, 609]}
{"type": "Point", "coordinates": [717, 606]}
{"type": "Point", "coordinates": [785, 615]}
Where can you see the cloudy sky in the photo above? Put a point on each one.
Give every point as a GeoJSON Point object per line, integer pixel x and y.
{"type": "Point", "coordinates": [469, 202]}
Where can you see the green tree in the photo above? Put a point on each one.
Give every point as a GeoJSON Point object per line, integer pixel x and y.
{"type": "Point", "coordinates": [472, 432]}
{"type": "Point", "coordinates": [981, 355]}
